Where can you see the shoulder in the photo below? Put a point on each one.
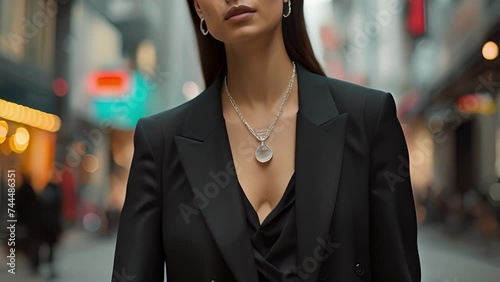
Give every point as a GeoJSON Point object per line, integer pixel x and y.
{"type": "Point", "coordinates": [363, 104]}
{"type": "Point", "coordinates": [157, 131]}
{"type": "Point", "coordinates": [354, 98]}
{"type": "Point", "coordinates": [357, 99]}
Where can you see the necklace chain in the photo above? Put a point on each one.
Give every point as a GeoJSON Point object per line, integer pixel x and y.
{"type": "Point", "coordinates": [268, 131]}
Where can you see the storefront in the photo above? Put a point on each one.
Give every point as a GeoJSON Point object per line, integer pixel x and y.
{"type": "Point", "coordinates": [33, 90]}
{"type": "Point", "coordinates": [457, 103]}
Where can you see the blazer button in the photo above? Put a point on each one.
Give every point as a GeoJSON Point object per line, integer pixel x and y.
{"type": "Point", "coordinates": [359, 270]}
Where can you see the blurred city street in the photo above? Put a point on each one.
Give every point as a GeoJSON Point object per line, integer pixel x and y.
{"type": "Point", "coordinates": [81, 257]}
{"type": "Point", "coordinates": [86, 258]}
{"type": "Point", "coordinates": [464, 259]}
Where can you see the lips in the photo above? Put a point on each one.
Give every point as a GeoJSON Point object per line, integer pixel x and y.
{"type": "Point", "coordinates": [238, 10]}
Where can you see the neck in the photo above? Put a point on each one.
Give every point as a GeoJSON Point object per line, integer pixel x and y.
{"type": "Point", "coordinates": [258, 72]}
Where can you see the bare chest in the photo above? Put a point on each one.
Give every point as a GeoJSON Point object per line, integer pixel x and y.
{"type": "Point", "coordinates": [264, 183]}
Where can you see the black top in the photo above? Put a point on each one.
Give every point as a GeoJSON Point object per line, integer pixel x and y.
{"type": "Point", "coordinates": [274, 242]}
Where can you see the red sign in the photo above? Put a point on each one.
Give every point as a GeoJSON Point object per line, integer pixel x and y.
{"type": "Point", "coordinates": [109, 83]}
{"type": "Point", "coordinates": [416, 17]}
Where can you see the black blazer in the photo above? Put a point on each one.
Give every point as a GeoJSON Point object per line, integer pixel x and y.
{"type": "Point", "coordinates": [354, 203]}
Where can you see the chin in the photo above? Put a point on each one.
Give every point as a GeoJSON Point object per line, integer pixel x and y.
{"type": "Point", "coordinates": [245, 34]}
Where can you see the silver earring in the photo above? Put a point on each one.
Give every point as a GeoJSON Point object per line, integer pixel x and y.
{"type": "Point", "coordinates": [289, 9]}
{"type": "Point", "coordinates": [203, 31]}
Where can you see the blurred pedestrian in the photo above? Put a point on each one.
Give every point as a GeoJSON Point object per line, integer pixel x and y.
{"type": "Point", "coordinates": [29, 216]}
{"type": "Point", "coordinates": [51, 200]}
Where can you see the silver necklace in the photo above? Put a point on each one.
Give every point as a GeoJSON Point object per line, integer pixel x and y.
{"type": "Point", "coordinates": [263, 153]}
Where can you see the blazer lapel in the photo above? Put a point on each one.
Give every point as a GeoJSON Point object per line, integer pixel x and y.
{"type": "Point", "coordinates": [319, 151]}
{"type": "Point", "coordinates": [205, 154]}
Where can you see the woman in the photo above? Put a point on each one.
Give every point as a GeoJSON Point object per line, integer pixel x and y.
{"type": "Point", "coordinates": [274, 173]}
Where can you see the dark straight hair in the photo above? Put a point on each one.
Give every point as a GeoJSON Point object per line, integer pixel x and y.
{"type": "Point", "coordinates": [297, 44]}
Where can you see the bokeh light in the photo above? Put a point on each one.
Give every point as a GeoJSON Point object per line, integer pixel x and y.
{"type": "Point", "coordinates": [4, 128]}
{"type": "Point", "coordinates": [90, 163]}
{"type": "Point", "coordinates": [19, 141]}
{"type": "Point", "coordinates": [60, 87]}
{"type": "Point", "coordinates": [91, 222]}
{"type": "Point", "coordinates": [490, 50]}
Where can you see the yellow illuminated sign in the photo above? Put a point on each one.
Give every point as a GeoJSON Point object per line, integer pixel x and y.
{"type": "Point", "coordinates": [26, 115]}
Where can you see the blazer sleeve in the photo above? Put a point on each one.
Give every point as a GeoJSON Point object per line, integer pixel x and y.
{"type": "Point", "coordinates": [139, 250]}
{"type": "Point", "coordinates": [393, 227]}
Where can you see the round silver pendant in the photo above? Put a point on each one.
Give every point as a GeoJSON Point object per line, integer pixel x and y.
{"type": "Point", "coordinates": [263, 153]}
